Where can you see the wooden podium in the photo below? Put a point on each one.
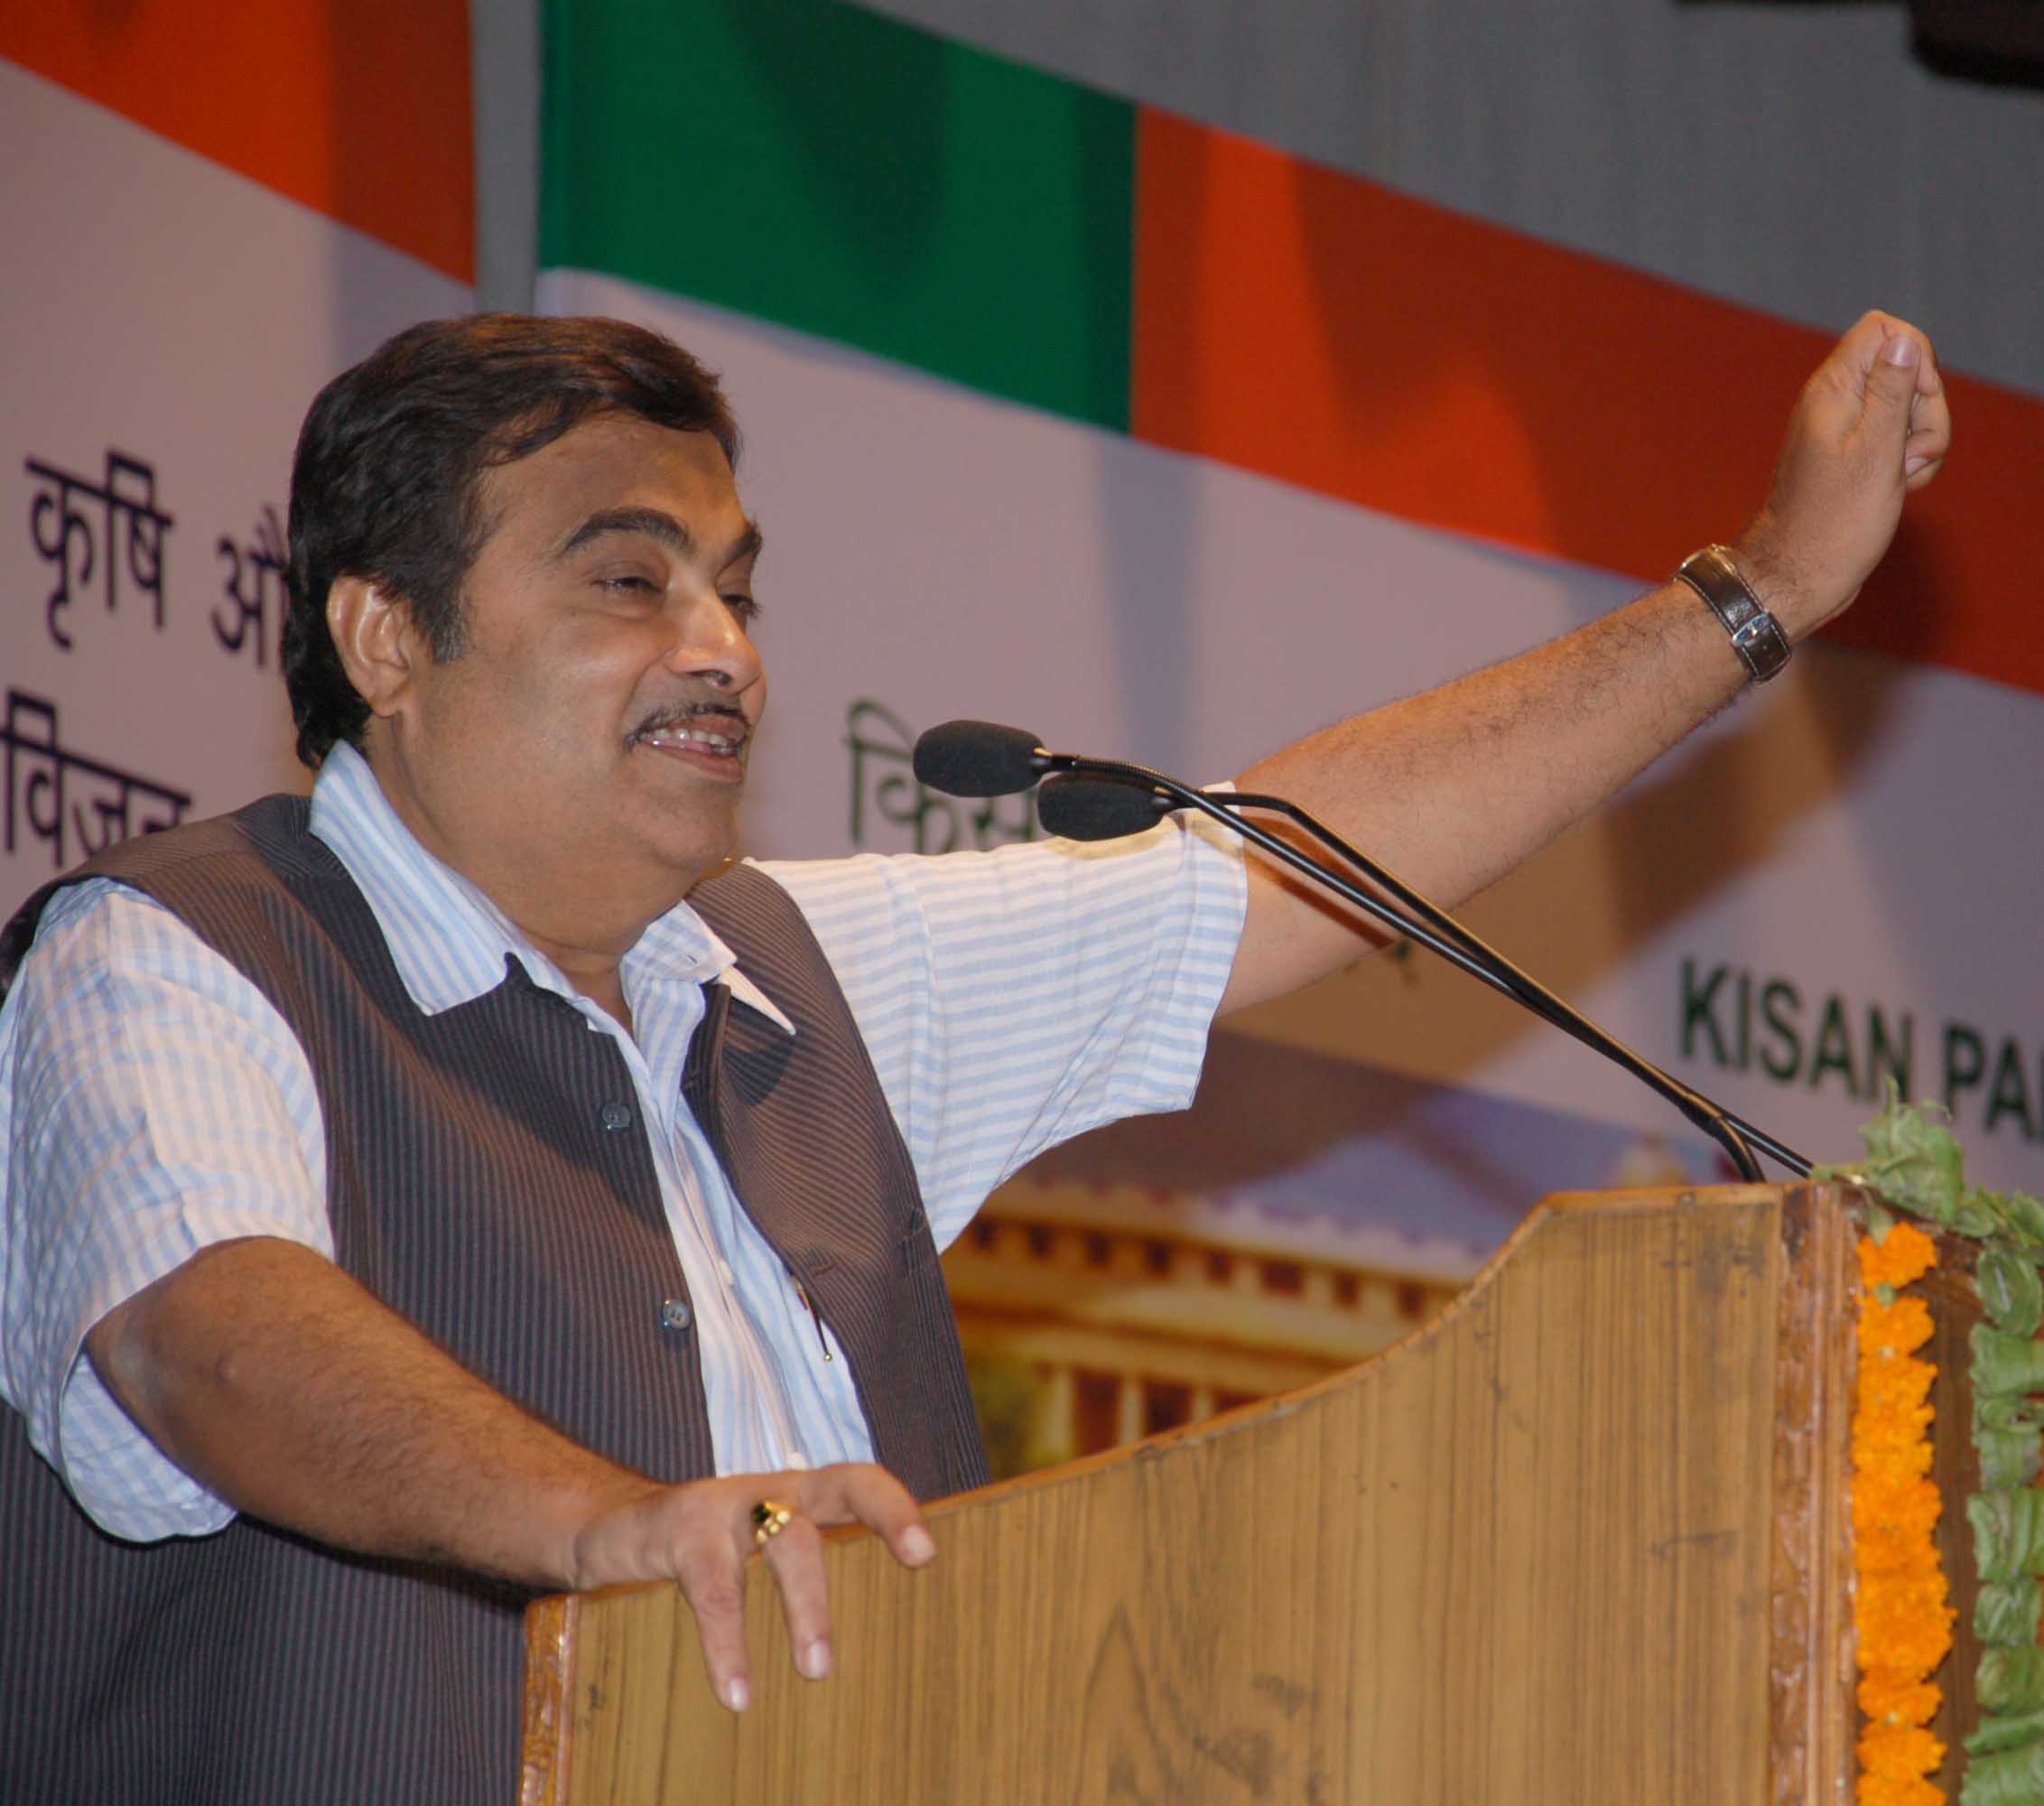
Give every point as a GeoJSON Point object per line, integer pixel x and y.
{"type": "Point", "coordinates": [1584, 1538]}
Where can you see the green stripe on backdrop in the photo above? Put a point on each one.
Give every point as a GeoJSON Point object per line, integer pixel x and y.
{"type": "Point", "coordinates": [815, 165]}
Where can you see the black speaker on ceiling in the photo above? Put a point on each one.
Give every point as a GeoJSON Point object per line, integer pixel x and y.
{"type": "Point", "coordinates": [1996, 41]}
{"type": "Point", "coordinates": [2001, 41]}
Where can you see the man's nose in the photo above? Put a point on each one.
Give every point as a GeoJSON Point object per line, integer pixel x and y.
{"type": "Point", "coordinates": [711, 642]}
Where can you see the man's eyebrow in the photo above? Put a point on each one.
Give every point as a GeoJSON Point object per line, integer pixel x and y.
{"type": "Point", "coordinates": [654, 524]}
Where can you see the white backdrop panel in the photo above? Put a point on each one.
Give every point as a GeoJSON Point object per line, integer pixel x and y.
{"type": "Point", "coordinates": [163, 308]}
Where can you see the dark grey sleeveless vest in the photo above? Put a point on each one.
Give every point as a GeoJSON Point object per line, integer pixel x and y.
{"type": "Point", "coordinates": [477, 1187]}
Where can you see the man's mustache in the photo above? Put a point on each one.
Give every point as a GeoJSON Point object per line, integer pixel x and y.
{"type": "Point", "coordinates": [685, 714]}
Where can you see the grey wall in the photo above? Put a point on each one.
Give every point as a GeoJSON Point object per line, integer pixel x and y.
{"type": "Point", "coordinates": [504, 52]}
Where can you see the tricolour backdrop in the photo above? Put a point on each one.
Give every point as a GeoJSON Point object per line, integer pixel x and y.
{"type": "Point", "coordinates": [1161, 442]}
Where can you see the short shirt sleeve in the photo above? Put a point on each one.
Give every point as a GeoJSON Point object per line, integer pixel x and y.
{"type": "Point", "coordinates": [151, 1103]}
{"type": "Point", "coordinates": [1013, 999]}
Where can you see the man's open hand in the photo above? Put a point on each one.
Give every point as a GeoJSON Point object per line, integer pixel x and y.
{"type": "Point", "coordinates": [1871, 424]}
{"type": "Point", "coordinates": [701, 1534]}
{"type": "Point", "coordinates": [277, 1381]}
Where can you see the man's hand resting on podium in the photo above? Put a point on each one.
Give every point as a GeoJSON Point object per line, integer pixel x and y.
{"type": "Point", "coordinates": [702, 1533]}
{"type": "Point", "coordinates": [271, 1377]}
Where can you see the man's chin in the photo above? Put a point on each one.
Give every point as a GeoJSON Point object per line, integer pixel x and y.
{"type": "Point", "coordinates": [703, 852]}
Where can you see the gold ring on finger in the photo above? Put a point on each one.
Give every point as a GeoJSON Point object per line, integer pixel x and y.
{"type": "Point", "coordinates": [769, 1518]}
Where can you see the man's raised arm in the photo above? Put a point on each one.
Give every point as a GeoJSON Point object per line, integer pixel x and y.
{"type": "Point", "coordinates": [1453, 788]}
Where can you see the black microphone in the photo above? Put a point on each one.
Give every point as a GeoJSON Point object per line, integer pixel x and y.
{"type": "Point", "coordinates": [979, 759]}
{"type": "Point", "coordinates": [1098, 808]}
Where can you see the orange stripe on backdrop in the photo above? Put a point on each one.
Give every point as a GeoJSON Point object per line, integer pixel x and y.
{"type": "Point", "coordinates": [358, 108]}
{"type": "Point", "coordinates": [1325, 331]}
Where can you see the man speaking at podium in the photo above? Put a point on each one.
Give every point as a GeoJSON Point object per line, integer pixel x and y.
{"type": "Point", "coordinates": [471, 1183]}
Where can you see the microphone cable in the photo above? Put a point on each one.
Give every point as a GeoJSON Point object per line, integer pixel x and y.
{"type": "Point", "coordinates": [1076, 796]}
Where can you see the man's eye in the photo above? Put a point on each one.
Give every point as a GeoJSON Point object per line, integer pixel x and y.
{"type": "Point", "coordinates": [621, 585]}
{"type": "Point", "coordinates": [746, 608]}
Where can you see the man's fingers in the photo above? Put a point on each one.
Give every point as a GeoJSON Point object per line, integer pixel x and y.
{"type": "Point", "coordinates": [702, 1533]}
{"type": "Point", "coordinates": [1881, 385]}
{"type": "Point", "coordinates": [861, 1493]}
{"type": "Point", "coordinates": [795, 1558]}
{"type": "Point", "coordinates": [712, 1534]}
{"type": "Point", "coordinates": [1930, 438]}
{"type": "Point", "coordinates": [713, 1579]}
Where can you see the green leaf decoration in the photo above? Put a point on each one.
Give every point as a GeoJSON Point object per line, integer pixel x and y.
{"type": "Point", "coordinates": [2009, 1290]}
{"type": "Point", "coordinates": [2017, 1219]}
{"type": "Point", "coordinates": [2011, 1680]}
{"type": "Point", "coordinates": [1997, 1734]}
{"type": "Point", "coordinates": [2010, 1458]}
{"type": "Point", "coordinates": [1975, 1215]}
{"type": "Point", "coordinates": [2014, 1779]}
{"type": "Point", "coordinates": [2002, 1363]}
{"type": "Point", "coordinates": [2008, 1533]}
{"type": "Point", "coordinates": [2005, 1612]}
{"type": "Point", "coordinates": [2024, 1217]}
{"type": "Point", "coordinates": [1913, 1161]}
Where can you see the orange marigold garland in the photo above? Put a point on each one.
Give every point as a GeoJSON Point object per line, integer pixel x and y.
{"type": "Point", "coordinates": [1899, 1606]}
{"type": "Point", "coordinates": [1915, 1165]}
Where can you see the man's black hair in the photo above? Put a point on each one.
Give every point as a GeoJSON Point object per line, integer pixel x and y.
{"type": "Point", "coordinates": [387, 480]}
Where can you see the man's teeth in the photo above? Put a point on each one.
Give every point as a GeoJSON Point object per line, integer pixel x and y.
{"type": "Point", "coordinates": [698, 739]}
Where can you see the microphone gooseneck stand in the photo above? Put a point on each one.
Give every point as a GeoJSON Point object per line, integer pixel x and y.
{"type": "Point", "coordinates": [1014, 760]}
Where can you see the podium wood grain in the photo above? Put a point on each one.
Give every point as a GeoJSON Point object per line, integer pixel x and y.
{"type": "Point", "coordinates": [1582, 1539]}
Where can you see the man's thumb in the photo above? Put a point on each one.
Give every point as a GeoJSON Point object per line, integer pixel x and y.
{"type": "Point", "coordinates": [1891, 383]}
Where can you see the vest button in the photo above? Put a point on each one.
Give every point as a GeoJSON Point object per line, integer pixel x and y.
{"type": "Point", "coordinates": [675, 1314]}
{"type": "Point", "coordinates": [616, 1117]}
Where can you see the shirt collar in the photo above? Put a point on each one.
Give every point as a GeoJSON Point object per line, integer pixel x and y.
{"type": "Point", "coordinates": [449, 941]}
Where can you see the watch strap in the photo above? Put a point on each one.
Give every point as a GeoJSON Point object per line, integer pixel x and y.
{"type": "Point", "coordinates": [1756, 635]}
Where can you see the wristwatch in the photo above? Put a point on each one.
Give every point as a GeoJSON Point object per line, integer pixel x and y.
{"type": "Point", "coordinates": [1756, 635]}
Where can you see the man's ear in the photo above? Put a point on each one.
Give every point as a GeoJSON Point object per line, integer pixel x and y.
{"type": "Point", "coordinates": [379, 648]}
